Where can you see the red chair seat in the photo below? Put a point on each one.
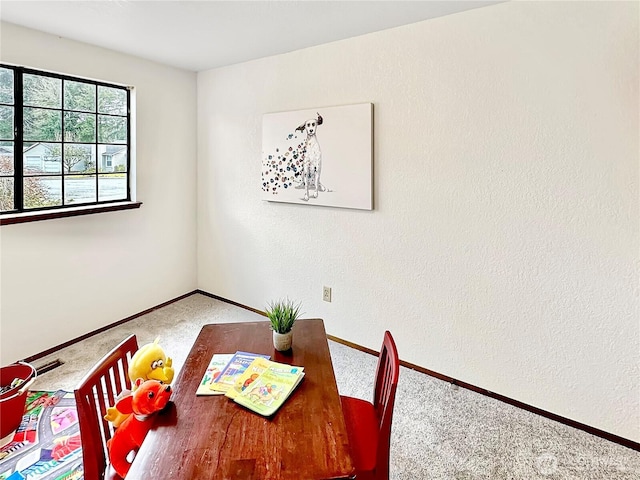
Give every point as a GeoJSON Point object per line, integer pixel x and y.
{"type": "Point", "coordinates": [363, 428]}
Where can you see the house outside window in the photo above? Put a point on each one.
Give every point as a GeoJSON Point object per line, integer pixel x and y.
{"type": "Point", "coordinates": [64, 141]}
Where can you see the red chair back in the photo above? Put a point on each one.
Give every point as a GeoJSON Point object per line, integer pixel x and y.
{"type": "Point", "coordinates": [96, 392]}
{"type": "Point", "coordinates": [384, 396]}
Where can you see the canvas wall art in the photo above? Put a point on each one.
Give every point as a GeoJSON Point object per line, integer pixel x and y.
{"type": "Point", "coordinates": [319, 156]}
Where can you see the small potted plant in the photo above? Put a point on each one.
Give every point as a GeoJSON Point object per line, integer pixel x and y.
{"type": "Point", "coordinates": [283, 314]}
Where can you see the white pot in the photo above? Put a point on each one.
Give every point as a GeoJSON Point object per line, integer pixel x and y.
{"type": "Point", "coordinates": [282, 341]}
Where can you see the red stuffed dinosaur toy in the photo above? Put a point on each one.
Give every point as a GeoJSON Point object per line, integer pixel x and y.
{"type": "Point", "coordinates": [149, 397]}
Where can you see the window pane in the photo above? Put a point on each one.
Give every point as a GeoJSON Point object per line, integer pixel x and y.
{"type": "Point", "coordinates": [42, 158]}
{"type": "Point", "coordinates": [42, 192]}
{"type": "Point", "coordinates": [6, 85]}
{"type": "Point", "coordinates": [79, 96]}
{"type": "Point", "coordinates": [6, 194]}
{"type": "Point", "coordinates": [79, 158]}
{"type": "Point", "coordinates": [42, 125]}
{"type": "Point", "coordinates": [73, 137]}
{"type": "Point", "coordinates": [6, 123]}
{"type": "Point", "coordinates": [6, 158]}
{"type": "Point", "coordinates": [112, 100]}
{"type": "Point", "coordinates": [79, 127]}
{"type": "Point", "coordinates": [40, 91]}
{"type": "Point", "coordinates": [79, 189]}
{"type": "Point", "coordinates": [112, 158]}
{"type": "Point", "coordinates": [112, 129]}
{"type": "Point", "coordinates": [112, 187]}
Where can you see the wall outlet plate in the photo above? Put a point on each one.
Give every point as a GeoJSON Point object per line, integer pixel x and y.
{"type": "Point", "coordinates": [326, 294]}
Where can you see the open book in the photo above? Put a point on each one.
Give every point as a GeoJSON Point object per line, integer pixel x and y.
{"type": "Point", "coordinates": [266, 393]}
{"type": "Point", "coordinates": [233, 369]}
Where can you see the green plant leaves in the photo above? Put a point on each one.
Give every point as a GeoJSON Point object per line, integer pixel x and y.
{"type": "Point", "coordinates": [282, 314]}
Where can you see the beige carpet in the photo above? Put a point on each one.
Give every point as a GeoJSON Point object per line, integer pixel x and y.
{"type": "Point", "coordinates": [439, 432]}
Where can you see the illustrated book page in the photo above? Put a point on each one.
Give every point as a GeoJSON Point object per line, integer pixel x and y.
{"type": "Point", "coordinates": [257, 367]}
{"type": "Point", "coordinates": [233, 369]}
{"type": "Point", "coordinates": [266, 394]}
{"type": "Point", "coordinates": [218, 362]}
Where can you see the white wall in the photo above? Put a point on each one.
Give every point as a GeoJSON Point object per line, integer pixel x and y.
{"type": "Point", "coordinates": [503, 248]}
{"type": "Point", "coordinates": [63, 278]}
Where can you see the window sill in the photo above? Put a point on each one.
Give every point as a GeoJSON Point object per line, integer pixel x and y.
{"type": "Point", "coordinates": [24, 217]}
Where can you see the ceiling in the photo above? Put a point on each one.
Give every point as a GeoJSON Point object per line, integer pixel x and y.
{"type": "Point", "coordinates": [199, 35]}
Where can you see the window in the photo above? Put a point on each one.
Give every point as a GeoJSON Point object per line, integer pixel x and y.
{"type": "Point", "coordinates": [64, 141]}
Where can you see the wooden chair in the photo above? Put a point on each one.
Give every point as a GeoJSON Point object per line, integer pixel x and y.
{"type": "Point", "coordinates": [369, 425]}
{"type": "Point", "coordinates": [96, 392]}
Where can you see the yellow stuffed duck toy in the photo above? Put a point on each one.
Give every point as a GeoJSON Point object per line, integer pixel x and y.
{"type": "Point", "coordinates": [148, 363]}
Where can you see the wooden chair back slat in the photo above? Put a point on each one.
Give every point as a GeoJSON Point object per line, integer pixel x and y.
{"type": "Point", "coordinates": [384, 395]}
{"type": "Point", "coordinates": [96, 392]}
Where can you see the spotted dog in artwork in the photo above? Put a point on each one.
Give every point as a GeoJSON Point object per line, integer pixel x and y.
{"type": "Point", "coordinates": [311, 158]}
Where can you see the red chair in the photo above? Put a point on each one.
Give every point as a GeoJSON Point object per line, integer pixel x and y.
{"type": "Point", "coordinates": [369, 425]}
{"type": "Point", "coordinates": [96, 392]}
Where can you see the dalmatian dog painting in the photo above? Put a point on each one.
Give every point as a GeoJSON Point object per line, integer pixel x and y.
{"type": "Point", "coordinates": [320, 156]}
{"type": "Point", "coordinates": [311, 158]}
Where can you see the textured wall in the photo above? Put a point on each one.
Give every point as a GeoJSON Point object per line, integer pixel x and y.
{"type": "Point", "coordinates": [503, 248]}
{"type": "Point", "coordinates": [63, 278]}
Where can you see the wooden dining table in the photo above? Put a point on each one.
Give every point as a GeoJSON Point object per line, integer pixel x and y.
{"type": "Point", "coordinates": [212, 437]}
